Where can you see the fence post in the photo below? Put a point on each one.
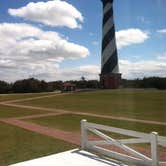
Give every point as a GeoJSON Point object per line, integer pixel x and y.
{"type": "Point", "coordinates": [154, 149]}
{"type": "Point", "coordinates": [83, 134]}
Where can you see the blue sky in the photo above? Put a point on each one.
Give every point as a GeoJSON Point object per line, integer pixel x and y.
{"type": "Point", "coordinates": [140, 31]}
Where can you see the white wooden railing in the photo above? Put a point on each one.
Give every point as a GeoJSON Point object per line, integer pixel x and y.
{"type": "Point", "coordinates": [134, 157]}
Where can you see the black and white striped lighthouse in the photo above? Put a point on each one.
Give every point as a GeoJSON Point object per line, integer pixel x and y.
{"type": "Point", "coordinates": [110, 76]}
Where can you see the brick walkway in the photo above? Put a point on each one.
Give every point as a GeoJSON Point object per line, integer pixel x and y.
{"type": "Point", "coordinates": [55, 133]}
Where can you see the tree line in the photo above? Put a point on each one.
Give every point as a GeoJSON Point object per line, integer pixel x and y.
{"type": "Point", "coordinates": [33, 85]}
{"type": "Point", "coordinates": [150, 82]}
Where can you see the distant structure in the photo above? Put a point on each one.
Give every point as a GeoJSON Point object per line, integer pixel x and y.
{"type": "Point", "coordinates": [110, 77]}
{"type": "Point", "coordinates": [67, 86]}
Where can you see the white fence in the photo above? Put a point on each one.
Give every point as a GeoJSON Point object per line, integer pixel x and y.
{"type": "Point", "coordinates": [134, 157]}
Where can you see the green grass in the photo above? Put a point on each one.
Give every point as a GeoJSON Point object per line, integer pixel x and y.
{"type": "Point", "coordinates": [6, 112]}
{"type": "Point", "coordinates": [18, 145]}
{"type": "Point", "coordinates": [15, 96]}
{"type": "Point", "coordinates": [141, 104]}
{"type": "Point", "coordinates": [71, 122]}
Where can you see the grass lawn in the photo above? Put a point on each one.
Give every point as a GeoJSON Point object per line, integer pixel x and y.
{"type": "Point", "coordinates": [18, 145]}
{"type": "Point", "coordinates": [6, 112]}
{"type": "Point", "coordinates": [15, 96]}
{"type": "Point", "coordinates": [72, 123]}
{"type": "Point", "coordinates": [141, 104]}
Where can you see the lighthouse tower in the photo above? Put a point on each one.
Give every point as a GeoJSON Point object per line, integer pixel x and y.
{"type": "Point", "coordinates": [110, 77]}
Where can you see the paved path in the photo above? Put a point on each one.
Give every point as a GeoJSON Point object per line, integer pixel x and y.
{"type": "Point", "coordinates": [122, 118]}
{"type": "Point", "coordinates": [83, 113]}
{"type": "Point", "coordinates": [34, 108]}
{"type": "Point", "coordinates": [33, 98]}
{"type": "Point", "coordinates": [39, 115]}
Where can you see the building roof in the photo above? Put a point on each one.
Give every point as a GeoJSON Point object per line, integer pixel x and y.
{"type": "Point", "coordinates": [68, 84]}
{"type": "Point", "coordinates": [73, 157]}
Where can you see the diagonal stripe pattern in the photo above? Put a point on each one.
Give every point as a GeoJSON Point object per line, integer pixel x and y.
{"type": "Point", "coordinates": [109, 51]}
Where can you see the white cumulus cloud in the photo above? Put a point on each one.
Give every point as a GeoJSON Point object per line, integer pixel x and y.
{"type": "Point", "coordinates": [27, 50]}
{"type": "Point", "coordinates": [144, 68]}
{"type": "Point", "coordinates": [52, 13]}
{"type": "Point", "coordinates": [162, 31]}
{"type": "Point", "coordinates": [130, 36]}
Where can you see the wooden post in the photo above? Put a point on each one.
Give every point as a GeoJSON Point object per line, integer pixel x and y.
{"type": "Point", "coordinates": [154, 149]}
{"type": "Point", "coordinates": [83, 134]}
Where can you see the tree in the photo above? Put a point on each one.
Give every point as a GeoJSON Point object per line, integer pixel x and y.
{"type": "Point", "coordinates": [30, 85]}
{"type": "Point", "coordinates": [82, 78]}
{"type": "Point", "coordinates": [4, 87]}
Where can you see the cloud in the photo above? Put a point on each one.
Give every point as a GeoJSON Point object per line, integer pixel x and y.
{"type": "Point", "coordinates": [56, 73]}
{"type": "Point", "coordinates": [128, 68]}
{"type": "Point", "coordinates": [142, 20]}
{"type": "Point", "coordinates": [130, 36]}
{"type": "Point", "coordinates": [140, 69]}
{"type": "Point", "coordinates": [27, 50]}
{"type": "Point", "coordinates": [95, 43]}
{"type": "Point", "coordinates": [52, 13]}
{"type": "Point", "coordinates": [88, 71]}
{"type": "Point", "coordinates": [162, 31]}
{"type": "Point", "coordinates": [162, 56]}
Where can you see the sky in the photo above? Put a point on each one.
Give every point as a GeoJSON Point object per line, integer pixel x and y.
{"type": "Point", "coordinates": [61, 40]}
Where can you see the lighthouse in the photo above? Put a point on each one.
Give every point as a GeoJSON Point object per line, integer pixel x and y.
{"type": "Point", "coordinates": [110, 77]}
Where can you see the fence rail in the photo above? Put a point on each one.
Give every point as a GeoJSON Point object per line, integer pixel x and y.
{"type": "Point", "coordinates": [135, 157]}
